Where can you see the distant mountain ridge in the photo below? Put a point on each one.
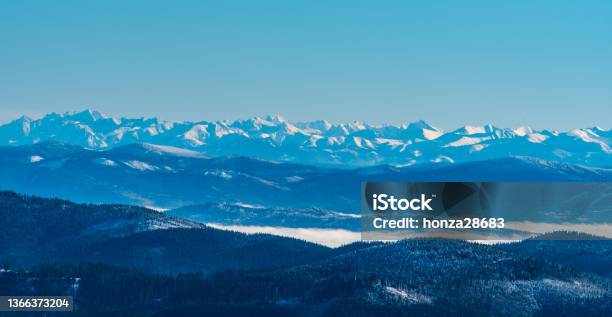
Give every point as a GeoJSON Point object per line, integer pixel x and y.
{"type": "Point", "coordinates": [167, 177]}
{"type": "Point", "coordinates": [318, 142]}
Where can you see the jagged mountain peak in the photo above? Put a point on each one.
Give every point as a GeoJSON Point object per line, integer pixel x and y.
{"type": "Point", "coordinates": [422, 124]}
{"type": "Point", "coordinates": [89, 115]}
{"type": "Point", "coordinates": [476, 129]}
{"type": "Point", "coordinates": [23, 118]}
{"type": "Point", "coordinates": [276, 118]}
{"type": "Point", "coordinates": [85, 116]}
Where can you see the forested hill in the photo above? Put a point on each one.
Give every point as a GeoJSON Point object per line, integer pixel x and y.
{"type": "Point", "coordinates": [42, 231]}
{"type": "Point", "coordinates": [409, 278]}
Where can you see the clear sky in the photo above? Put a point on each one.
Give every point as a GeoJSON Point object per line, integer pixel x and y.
{"type": "Point", "coordinates": [546, 64]}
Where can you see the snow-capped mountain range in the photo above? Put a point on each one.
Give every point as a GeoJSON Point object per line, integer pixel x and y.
{"type": "Point", "coordinates": [318, 142]}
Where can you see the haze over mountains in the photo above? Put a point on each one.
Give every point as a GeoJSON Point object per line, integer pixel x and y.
{"type": "Point", "coordinates": [318, 142]}
{"type": "Point", "coordinates": [167, 177]}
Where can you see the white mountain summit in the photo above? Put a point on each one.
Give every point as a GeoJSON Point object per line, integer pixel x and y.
{"type": "Point", "coordinates": [316, 142]}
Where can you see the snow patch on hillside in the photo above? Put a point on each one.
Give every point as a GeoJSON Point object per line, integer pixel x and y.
{"type": "Point", "coordinates": [36, 158]}
{"type": "Point", "coordinates": [408, 295]}
{"type": "Point", "coordinates": [105, 162]}
{"type": "Point", "coordinates": [141, 166]}
{"type": "Point", "coordinates": [172, 150]}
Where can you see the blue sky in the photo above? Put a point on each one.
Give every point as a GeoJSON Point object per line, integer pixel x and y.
{"type": "Point", "coordinates": [547, 64]}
